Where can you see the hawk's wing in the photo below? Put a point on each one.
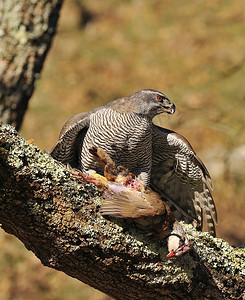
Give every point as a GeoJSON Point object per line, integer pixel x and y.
{"type": "Point", "coordinates": [68, 146]}
{"type": "Point", "coordinates": [181, 178]}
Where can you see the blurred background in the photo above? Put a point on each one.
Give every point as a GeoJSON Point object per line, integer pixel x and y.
{"type": "Point", "coordinates": [194, 51]}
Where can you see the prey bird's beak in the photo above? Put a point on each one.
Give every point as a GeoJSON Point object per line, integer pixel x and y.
{"type": "Point", "coordinates": [185, 247]}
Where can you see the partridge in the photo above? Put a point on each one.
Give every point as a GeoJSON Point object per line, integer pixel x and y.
{"type": "Point", "coordinates": [127, 197]}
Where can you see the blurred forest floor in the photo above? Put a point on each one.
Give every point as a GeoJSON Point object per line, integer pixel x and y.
{"type": "Point", "coordinates": [194, 51]}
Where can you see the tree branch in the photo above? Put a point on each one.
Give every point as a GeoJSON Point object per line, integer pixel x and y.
{"type": "Point", "coordinates": [57, 218]}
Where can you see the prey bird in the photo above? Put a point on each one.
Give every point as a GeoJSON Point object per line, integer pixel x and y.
{"type": "Point", "coordinates": [162, 159]}
{"type": "Point", "coordinates": [127, 197]}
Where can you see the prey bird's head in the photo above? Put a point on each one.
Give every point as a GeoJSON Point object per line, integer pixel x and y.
{"type": "Point", "coordinates": [152, 103]}
{"type": "Point", "coordinates": [178, 244]}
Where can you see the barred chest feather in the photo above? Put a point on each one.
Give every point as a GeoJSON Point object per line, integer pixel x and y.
{"type": "Point", "coordinates": [125, 137]}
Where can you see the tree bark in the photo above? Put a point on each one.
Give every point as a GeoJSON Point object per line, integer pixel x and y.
{"type": "Point", "coordinates": [26, 31]}
{"type": "Point", "coordinates": [58, 219]}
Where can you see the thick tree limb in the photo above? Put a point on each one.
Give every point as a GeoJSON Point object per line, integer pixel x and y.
{"type": "Point", "coordinates": [26, 31]}
{"type": "Point", "coordinates": [57, 218]}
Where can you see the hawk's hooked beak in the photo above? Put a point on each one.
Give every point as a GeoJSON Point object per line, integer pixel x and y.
{"type": "Point", "coordinates": [169, 109]}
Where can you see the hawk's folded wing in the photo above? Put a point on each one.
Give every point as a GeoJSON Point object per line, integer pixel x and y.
{"type": "Point", "coordinates": [67, 148]}
{"type": "Point", "coordinates": [181, 178]}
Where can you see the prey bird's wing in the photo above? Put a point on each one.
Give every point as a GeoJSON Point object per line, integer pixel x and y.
{"type": "Point", "coordinates": [181, 178]}
{"type": "Point", "coordinates": [129, 204]}
{"type": "Point", "coordinates": [68, 146]}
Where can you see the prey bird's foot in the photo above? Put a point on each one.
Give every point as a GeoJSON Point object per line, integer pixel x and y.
{"type": "Point", "coordinates": [79, 175]}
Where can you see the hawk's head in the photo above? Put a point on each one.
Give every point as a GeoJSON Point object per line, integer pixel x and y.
{"type": "Point", "coordinates": [152, 103]}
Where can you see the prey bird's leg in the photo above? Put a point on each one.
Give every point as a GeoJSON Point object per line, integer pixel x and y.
{"type": "Point", "coordinates": [84, 177]}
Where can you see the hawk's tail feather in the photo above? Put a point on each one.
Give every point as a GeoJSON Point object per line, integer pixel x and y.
{"type": "Point", "coordinates": [208, 210]}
